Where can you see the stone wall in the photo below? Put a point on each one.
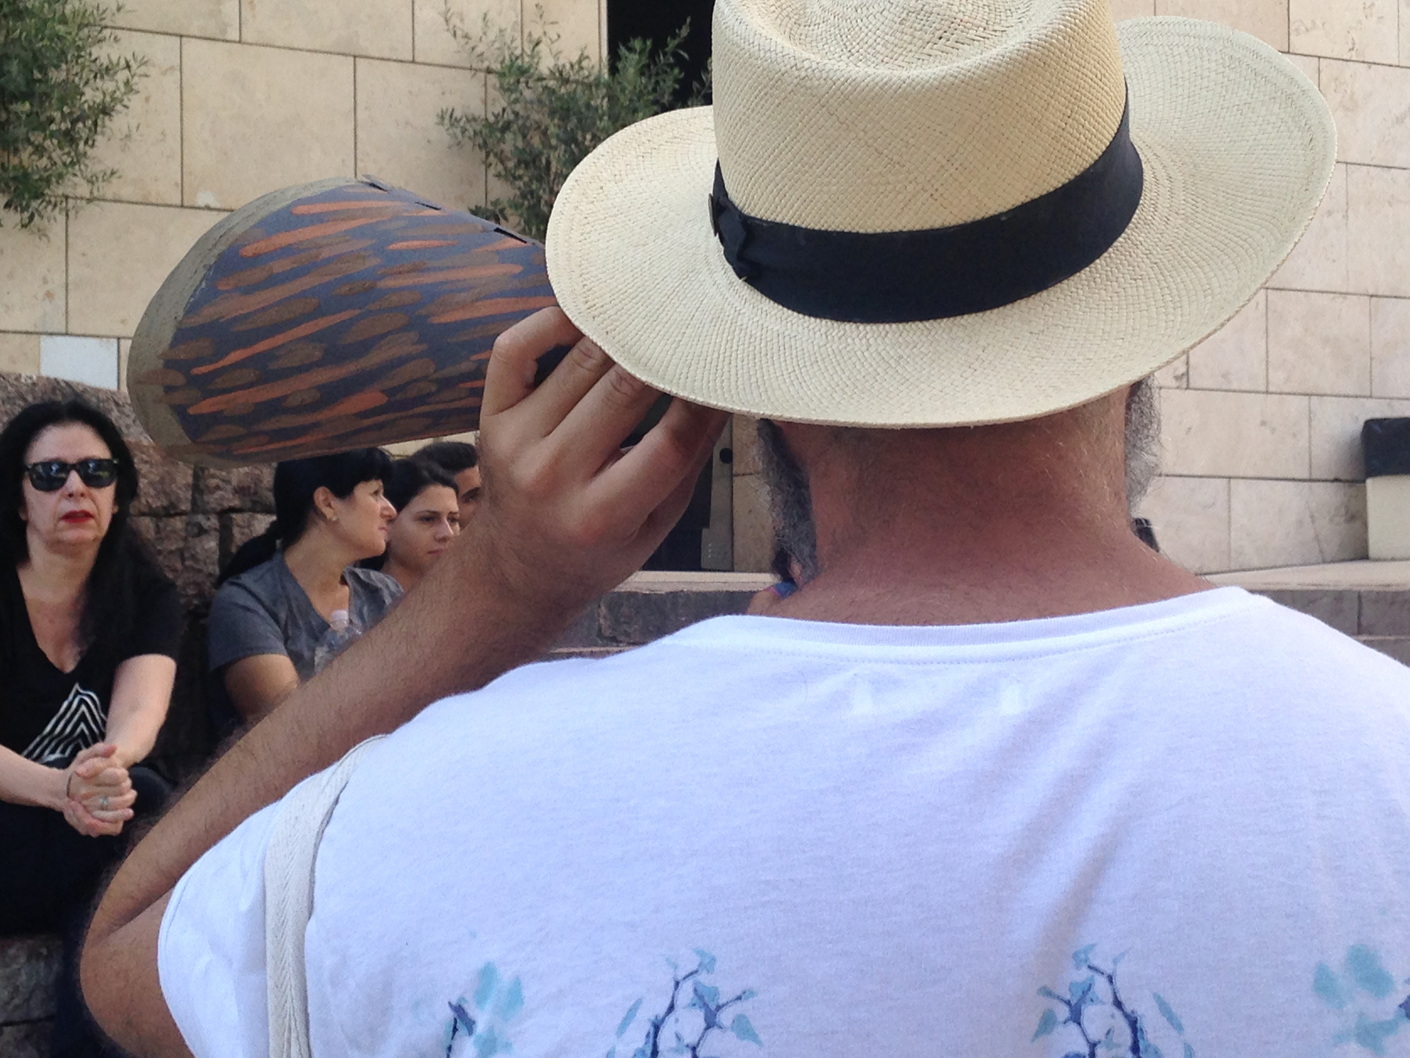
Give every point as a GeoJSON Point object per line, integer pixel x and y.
{"type": "Point", "coordinates": [1262, 460]}
{"type": "Point", "coordinates": [242, 97]}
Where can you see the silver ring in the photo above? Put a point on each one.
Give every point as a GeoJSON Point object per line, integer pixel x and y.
{"type": "Point", "coordinates": [103, 803]}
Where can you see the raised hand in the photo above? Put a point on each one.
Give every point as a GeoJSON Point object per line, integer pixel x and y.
{"type": "Point", "coordinates": [100, 794]}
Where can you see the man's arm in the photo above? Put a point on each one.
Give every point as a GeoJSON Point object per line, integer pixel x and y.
{"type": "Point", "coordinates": [566, 515]}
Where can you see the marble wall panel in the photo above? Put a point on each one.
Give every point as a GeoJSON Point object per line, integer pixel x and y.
{"type": "Point", "coordinates": [1371, 107]}
{"type": "Point", "coordinates": [256, 119]}
{"type": "Point", "coordinates": [380, 28]}
{"type": "Point", "coordinates": [1295, 523]}
{"type": "Point", "coordinates": [1266, 19]}
{"type": "Point", "coordinates": [143, 142]}
{"type": "Point", "coordinates": [191, 18]}
{"type": "Point", "coordinates": [19, 353]}
{"type": "Point", "coordinates": [433, 40]}
{"type": "Point", "coordinates": [1206, 433]}
{"type": "Point", "coordinates": [119, 254]}
{"type": "Point", "coordinates": [1390, 347]}
{"type": "Point", "coordinates": [398, 139]}
{"type": "Point", "coordinates": [1319, 343]}
{"type": "Point", "coordinates": [1378, 230]}
{"type": "Point", "coordinates": [1236, 355]}
{"type": "Point", "coordinates": [32, 265]}
{"type": "Point", "coordinates": [1318, 262]}
{"type": "Point", "coordinates": [1344, 29]}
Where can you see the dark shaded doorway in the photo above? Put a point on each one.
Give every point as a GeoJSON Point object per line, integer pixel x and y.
{"type": "Point", "coordinates": [656, 20]}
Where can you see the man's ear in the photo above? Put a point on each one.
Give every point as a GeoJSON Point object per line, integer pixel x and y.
{"type": "Point", "coordinates": [325, 503]}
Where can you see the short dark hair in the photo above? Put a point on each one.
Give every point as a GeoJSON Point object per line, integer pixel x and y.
{"type": "Point", "coordinates": [123, 559]}
{"type": "Point", "coordinates": [450, 456]}
{"type": "Point", "coordinates": [295, 482]}
{"type": "Point", "coordinates": [410, 476]}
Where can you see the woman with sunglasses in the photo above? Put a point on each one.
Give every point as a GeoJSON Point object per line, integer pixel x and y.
{"type": "Point", "coordinates": [284, 590]}
{"type": "Point", "coordinates": [89, 631]}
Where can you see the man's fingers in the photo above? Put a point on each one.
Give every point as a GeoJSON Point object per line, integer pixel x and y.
{"type": "Point", "coordinates": [584, 368]}
{"type": "Point", "coordinates": [593, 429]}
{"type": "Point", "coordinates": [509, 378]}
{"type": "Point", "coordinates": [667, 461]}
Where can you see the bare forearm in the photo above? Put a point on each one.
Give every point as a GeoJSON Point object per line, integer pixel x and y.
{"type": "Point", "coordinates": [24, 782]}
{"type": "Point", "coordinates": [460, 639]}
{"type": "Point", "coordinates": [141, 695]}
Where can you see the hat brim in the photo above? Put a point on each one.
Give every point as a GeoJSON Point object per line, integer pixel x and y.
{"type": "Point", "coordinates": [1237, 148]}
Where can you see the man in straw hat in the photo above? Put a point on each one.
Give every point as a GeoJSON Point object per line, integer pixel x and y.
{"type": "Point", "coordinates": [1005, 783]}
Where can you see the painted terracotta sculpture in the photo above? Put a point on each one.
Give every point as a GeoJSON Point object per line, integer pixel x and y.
{"type": "Point", "coordinates": [330, 316]}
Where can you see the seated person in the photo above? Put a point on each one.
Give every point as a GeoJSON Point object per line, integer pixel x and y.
{"type": "Point", "coordinates": [462, 462]}
{"type": "Point", "coordinates": [281, 590]}
{"type": "Point", "coordinates": [89, 631]}
{"type": "Point", "coordinates": [428, 519]}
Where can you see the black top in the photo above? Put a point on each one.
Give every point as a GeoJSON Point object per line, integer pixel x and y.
{"type": "Point", "coordinates": [48, 715]}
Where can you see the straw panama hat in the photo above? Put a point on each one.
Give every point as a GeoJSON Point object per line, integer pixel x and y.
{"type": "Point", "coordinates": [928, 212]}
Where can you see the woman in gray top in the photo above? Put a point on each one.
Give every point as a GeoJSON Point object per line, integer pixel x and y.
{"type": "Point", "coordinates": [280, 591]}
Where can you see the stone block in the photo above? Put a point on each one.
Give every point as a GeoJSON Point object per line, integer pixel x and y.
{"type": "Point", "coordinates": [753, 525]}
{"type": "Point", "coordinates": [1295, 523]}
{"type": "Point", "coordinates": [1236, 355]}
{"type": "Point", "coordinates": [32, 271]}
{"type": "Point", "coordinates": [1335, 426]}
{"type": "Point", "coordinates": [189, 18]}
{"type": "Point", "coordinates": [630, 617]}
{"type": "Point", "coordinates": [1390, 347]}
{"type": "Point", "coordinates": [1344, 29]}
{"type": "Point", "coordinates": [398, 138]}
{"type": "Point", "coordinates": [585, 633]}
{"type": "Point", "coordinates": [575, 25]}
{"type": "Point", "coordinates": [1319, 343]}
{"type": "Point", "coordinates": [434, 41]}
{"type": "Point", "coordinates": [143, 142]}
{"type": "Point", "coordinates": [1405, 32]}
{"type": "Point", "coordinates": [1176, 374]}
{"type": "Point", "coordinates": [1378, 230]}
{"type": "Point", "coordinates": [1190, 517]}
{"type": "Point", "coordinates": [235, 489]}
{"type": "Point", "coordinates": [200, 560]}
{"type": "Point", "coordinates": [1266, 19]}
{"type": "Point", "coordinates": [1397, 647]}
{"type": "Point", "coordinates": [1385, 613]}
{"type": "Point", "coordinates": [164, 485]}
{"type": "Point", "coordinates": [1132, 9]}
{"type": "Point", "coordinates": [28, 1039]}
{"type": "Point", "coordinates": [1371, 106]}
{"type": "Point", "coordinates": [19, 354]}
{"type": "Point", "coordinates": [17, 391]}
{"type": "Point", "coordinates": [348, 27]}
{"type": "Point", "coordinates": [1339, 609]}
{"type": "Point", "coordinates": [119, 254]}
{"type": "Point", "coordinates": [256, 119]}
{"type": "Point", "coordinates": [1319, 261]}
{"type": "Point", "coordinates": [124, 348]}
{"type": "Point", "coordinates": [166, 536]}
{"type": "Point", "coordinates": [1251, 435]}
{"type": "Point", "coordinates": [237, 529]}
{"type": "Point", "coordinates": [29, 967]}
{"type": "Point", "coordinates": [1310, 66]}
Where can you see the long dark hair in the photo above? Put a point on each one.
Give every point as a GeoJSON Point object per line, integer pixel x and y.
{"type": "Point", "coordinates": [110, 597]}
{"type": "Point", "coordinates": [295, 482]}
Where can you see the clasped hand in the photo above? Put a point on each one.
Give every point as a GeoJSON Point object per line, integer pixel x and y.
{"type": "Point", "coordinates": [99, 793]}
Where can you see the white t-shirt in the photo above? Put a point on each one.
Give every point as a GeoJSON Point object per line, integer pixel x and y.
{"type": "Point", "coordinates": [1187, 822]}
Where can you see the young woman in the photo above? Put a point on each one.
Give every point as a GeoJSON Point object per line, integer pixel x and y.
{"type": "Point", "coordinates": [428, 519]}
{"type": "Point", "coordinates": [89, 634]}
{"type": "Point", "coordinates": [281, 590]}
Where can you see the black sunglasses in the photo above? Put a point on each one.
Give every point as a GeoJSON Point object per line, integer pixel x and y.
{"type": "Point", "coordinates": [50, 475]}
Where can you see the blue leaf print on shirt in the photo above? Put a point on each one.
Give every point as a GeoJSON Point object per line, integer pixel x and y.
{"type": "Point", "coordinates": [496, 1003]}
{"type": "Point", "coordinates": [1363, 995]}
{"type": "Point", "coordinates": [682, 1027]}
{"type": "Point", "coordinates": [1101, 1016]}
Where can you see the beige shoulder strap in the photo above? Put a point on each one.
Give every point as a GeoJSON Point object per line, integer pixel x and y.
{"type": "Point", "coordinates": [289, 866]}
